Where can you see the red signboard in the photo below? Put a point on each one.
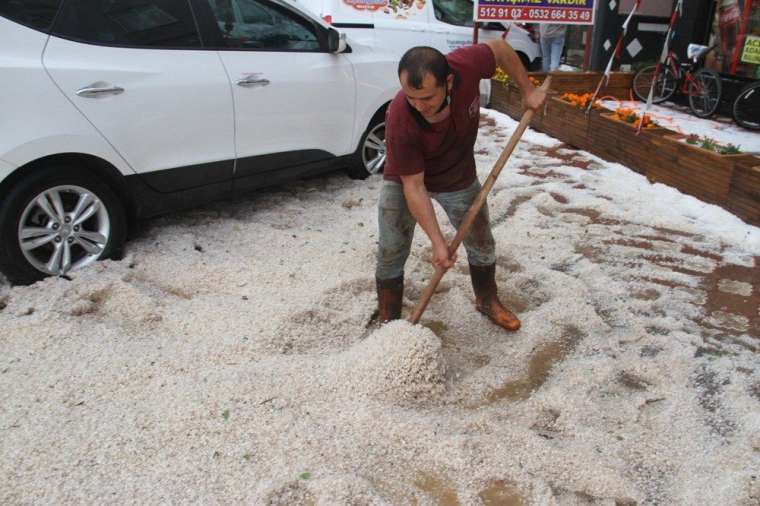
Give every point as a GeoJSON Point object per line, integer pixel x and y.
{"type": "Point", "coordinates": [569, 12]}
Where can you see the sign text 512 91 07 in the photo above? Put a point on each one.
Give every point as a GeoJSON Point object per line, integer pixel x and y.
{"type": "Point", "coordinates": [575, 12]}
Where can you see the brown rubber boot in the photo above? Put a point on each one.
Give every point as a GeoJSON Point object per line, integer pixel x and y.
{"type": "Point", "coordinates": [486, 299]}
{"type": "Point", "coordinates": [390, 293]}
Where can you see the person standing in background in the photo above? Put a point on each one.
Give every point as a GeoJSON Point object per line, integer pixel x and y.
{"type": "Point", "coordinates": [552, 43]}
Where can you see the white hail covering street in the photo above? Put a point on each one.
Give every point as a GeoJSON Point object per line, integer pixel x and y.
{"type": "Point", "coordinates": [225, 359]}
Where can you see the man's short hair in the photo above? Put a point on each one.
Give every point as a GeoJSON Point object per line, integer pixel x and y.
{"type": "Point", "coordinates": [420, 60]}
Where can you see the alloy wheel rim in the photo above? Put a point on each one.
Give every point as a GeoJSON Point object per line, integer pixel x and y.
{"type": "Point", "coordinates": [63, 228]}
{"type": "Point", "coordinates": [373, 151]}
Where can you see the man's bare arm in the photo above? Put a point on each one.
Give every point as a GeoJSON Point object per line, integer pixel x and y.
{"type": "Point", "coordinates": [507, 59]}
{"type": "Point", "coordinates": [421, 208]}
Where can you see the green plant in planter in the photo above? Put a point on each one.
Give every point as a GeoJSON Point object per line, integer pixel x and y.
{"type": "Point", "coordinates": [730, 150]}
{"type": "Point", "coordinates": [709, 144]}
{"type": "Point", "coordinates": [712, 145]}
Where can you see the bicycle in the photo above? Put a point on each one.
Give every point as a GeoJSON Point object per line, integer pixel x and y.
{"type": "Point", "coordinates": [702, 86]}
{"type": "Point", "coordinates": [746, 107]}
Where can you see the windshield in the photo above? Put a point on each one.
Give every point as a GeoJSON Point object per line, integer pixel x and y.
{"type": "Point", "coordinates": [454, 12]}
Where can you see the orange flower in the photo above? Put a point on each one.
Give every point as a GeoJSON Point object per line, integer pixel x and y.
{"type": "Point", "coordinates": [629, 116]}
{"type": "Point", "coordinates": [579, 100]}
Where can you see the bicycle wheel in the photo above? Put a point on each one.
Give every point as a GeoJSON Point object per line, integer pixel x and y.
{"type": "Point", "coordinates": [746, 108]}
{"type": "Point", "coordinates": [664, 88]}
{"type": "Point", "coordinates": [704, 93]}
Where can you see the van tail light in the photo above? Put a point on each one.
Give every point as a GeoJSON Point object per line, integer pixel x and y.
{"type": "Point", "coordinates": [327, 18]}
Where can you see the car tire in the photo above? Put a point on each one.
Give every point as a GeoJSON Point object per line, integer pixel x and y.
{"type": "Point", "coordinates": [57, 220]}
{"type": "Point", "coordinates": [369, 158]}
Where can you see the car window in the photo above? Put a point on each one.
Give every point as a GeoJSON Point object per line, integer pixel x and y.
{"type": "Point", "coordinates": [454, 12]}
{"type": "Point", "coordinates": [134, 23]}
{"type": "Point", "coordinates": [37, 14]}
{"type": "Point", "coordinates": [254, 24]}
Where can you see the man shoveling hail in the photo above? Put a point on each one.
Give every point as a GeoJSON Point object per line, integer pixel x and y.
{"type": "Point", "coordinates": [430, 131]}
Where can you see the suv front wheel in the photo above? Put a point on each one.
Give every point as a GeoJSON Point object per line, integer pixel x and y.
{"type": "Point", "coordinates": [369, 158]}
{"type": "Point", "coordinates": [56, 221]}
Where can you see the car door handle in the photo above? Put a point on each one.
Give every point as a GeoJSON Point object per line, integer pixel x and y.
{"type": "Point", "coordinates": [98, 91]}
{"type": "Point", "coordinates": [251, 80]}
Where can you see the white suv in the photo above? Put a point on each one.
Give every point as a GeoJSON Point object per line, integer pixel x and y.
{"type": "Point", "coordinates": [117, 110]}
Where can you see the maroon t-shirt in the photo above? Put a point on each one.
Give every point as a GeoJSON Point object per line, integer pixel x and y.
{"type": "Point", "coordinates": [444, 151]}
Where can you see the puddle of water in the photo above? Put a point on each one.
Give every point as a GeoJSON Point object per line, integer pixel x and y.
{"type": "Point", "coordinates": [672, 232]}
{"type": "Point", "coordinates": [631, 243]}
{"type": "Point", "coordinates": [568, 156]}
{"type": "Point", "coordinates": [688, 250]}
{"type": "Point", "coordinates": [540, 364]}
{"type": "Point", "coordinates": [648, 294]}
{"type": "Point", "coordinates": [501, 493]}
{"type": "Point", "coordinates": [441, 493]}
{"type": "Point", "coordinates": [722, 298]}
{"type": "Point", "coordinates": [594, 216]}
{"type": "Point", "coordinates": [559, 198]}
{"type": "Point", "coordinates": [664, 282]}
{"type": "Point", "coordinates": [656, 238]}
{"type": "Point", "coordinates": [437, 326]}
{"type": "Point", "coordinates": [549, 174]}
{"type": "Point", "coordinates": [590, 252]}
{"type": "Point", "coordinates": [516, 202]}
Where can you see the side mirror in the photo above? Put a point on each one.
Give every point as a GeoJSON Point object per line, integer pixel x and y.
{"type": "Point", "coordinates": [336, 41]}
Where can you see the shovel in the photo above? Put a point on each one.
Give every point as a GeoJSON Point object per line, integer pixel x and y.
{"type": "Point", "coordinates": [469, 218]}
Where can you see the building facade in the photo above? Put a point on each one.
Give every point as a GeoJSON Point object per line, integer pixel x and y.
{"type": "Point", "coordinates": [733, 26]}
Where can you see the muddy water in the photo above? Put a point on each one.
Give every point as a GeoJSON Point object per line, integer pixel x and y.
{"type": "Point", "coordinates": [498, 492]}
{"type": "Point", "coordinates": [437, 326]}
{"type": "Point", "coordinates": [501, 493]}
{"type": "Point", "coordinates": [540, 363]}
{"type": "Point", "coordinates": [441, 493]}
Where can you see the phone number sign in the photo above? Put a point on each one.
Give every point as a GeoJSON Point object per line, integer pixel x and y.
{"type": "Point", "coordinates": [566, 12]}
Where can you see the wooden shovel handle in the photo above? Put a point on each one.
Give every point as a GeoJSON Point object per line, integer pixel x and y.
{"type": "Point", "coordinates": [469, 218]}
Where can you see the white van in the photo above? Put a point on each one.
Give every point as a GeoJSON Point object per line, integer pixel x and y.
{"type": "Point", "coordinates": [397, 25]}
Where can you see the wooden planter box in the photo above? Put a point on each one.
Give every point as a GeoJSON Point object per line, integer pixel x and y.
{"type": "Point", "coordinates": [568, 122]}
{"type": "Point", "coordinates": [744, 194]}
{"type": "Point", "coordinates": [747, 174]}
{"type": "Point", "coordinates": [731, 181]}
{"type": "Point", "coordinates": [617, 141]}
{"type": "Point", "coordinates": [499, 95]}
{"type": "Point", "coordinates": [699, 172]}
{"type": "Point", "coordinates": [507, 98]}
{"type": "Point", "coordinates": [586, 82]}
